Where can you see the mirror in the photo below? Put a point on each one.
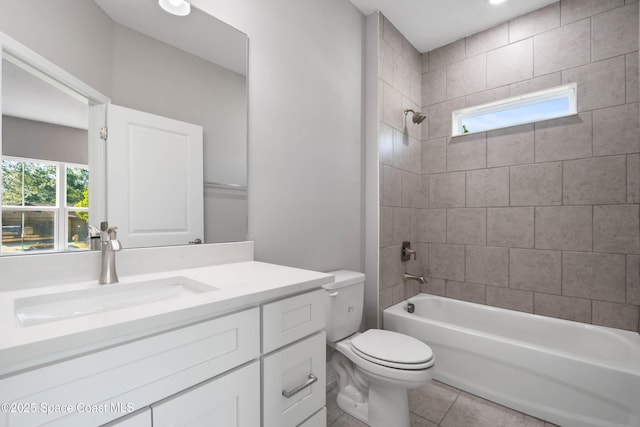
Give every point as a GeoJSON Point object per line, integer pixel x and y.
{"type": "Point", "coordinates": [192, 69]}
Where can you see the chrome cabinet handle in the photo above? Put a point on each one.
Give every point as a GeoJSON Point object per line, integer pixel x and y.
{"type": "Point", "coordinates": [288, 393]}
{"type": "Point", "coordinates": [333, 294]}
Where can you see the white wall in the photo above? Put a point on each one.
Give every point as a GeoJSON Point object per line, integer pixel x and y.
{"type": "Point", "coordinates": [305, 129]}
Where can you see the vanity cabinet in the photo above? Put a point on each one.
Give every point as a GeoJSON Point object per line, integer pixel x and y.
{"type": "Point", "coordinates": [294, 361]}
{"type": "Point", "coordinates": [211, 370]}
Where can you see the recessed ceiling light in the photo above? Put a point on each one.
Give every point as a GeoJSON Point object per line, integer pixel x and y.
{"type": "Point", "coordinates": [175, 7]}
{"type": "Point", "coordinates": [494, 2]}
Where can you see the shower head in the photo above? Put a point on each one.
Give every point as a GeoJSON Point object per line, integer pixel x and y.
{"type": "Point", "coordinates": [418, 117]}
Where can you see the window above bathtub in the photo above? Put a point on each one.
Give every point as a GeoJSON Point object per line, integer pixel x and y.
{"type": "Point", "coordinates": [560, 101]}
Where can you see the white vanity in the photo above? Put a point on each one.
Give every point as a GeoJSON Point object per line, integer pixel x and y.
{"type": "Point", "coordinates": [217, 345]}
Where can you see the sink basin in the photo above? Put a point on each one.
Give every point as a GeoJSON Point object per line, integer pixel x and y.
{"type": "Point", "coordinates": [67, 305]}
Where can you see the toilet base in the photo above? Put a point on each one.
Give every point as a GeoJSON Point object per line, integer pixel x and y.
{"type": "Point", "coordinates": [357, 409]}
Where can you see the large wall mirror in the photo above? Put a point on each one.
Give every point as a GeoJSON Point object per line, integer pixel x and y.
{"type": "Point", "coordinates": [154, 68]}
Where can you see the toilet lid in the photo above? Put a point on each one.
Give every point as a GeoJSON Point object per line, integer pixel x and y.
{"type": "Point", "coordinates": [393, 347]}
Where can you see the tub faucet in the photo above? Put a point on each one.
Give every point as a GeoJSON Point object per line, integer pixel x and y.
{"type": "Point", "coordinates": [109, 245]}
{"type": "Point", "coordinates": [420, 279]}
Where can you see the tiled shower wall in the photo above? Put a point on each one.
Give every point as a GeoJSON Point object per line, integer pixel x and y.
{"type": "Point", "coordinates": [541, 218]}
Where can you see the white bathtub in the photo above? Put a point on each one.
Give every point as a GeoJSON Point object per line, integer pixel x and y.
{"type": "Point", "coordinates": [568, 373]}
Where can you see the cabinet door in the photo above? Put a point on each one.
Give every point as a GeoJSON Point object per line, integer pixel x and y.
{"type": "Point", "coordinates": [232, 400]}
{"type": "Point", "coordinates": [141, 418]}
{"type": "Point", "coordinates": [319, 419]}
{"type": "Point", "coordinates": [297, 371]}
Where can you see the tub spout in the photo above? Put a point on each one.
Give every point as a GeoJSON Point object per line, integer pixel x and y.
{"type": "Point", "coordinates": [420, 279]}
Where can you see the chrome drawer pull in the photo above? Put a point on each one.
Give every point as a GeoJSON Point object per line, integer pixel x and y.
{"type": "Point", "coordinates": [288, 393]}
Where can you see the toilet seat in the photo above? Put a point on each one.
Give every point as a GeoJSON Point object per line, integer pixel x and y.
{"type": "Point", "coordinates": [392, 349]}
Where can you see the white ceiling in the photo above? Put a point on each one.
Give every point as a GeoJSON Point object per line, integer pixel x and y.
{"type": "Point", "coordinates": [429, 24]}
{"type": "Point", "coordinates": [223, 44]}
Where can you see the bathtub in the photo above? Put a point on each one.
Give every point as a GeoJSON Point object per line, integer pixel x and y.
{"type": "Point", "coordinates": [568, 373]}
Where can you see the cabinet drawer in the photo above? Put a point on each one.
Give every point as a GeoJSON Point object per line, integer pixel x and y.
{"type": "Point", "coordinates": [134, 374]}
{"type": "Point", "coordinates": [319, 419]}
{"type": "Point", "coordinates": [299, 371]}
{"type": "Point", "coordinates": [232, 400]}
{"type": "Point", "coordinates": [292, 318]}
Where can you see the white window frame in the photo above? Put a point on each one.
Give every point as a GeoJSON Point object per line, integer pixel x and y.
{"type": "Point", "coordinates": [61, 210]}
{"type": "Point", "coordinates": [568, 91]}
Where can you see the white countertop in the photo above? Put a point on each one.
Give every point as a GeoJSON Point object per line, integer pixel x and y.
{"type": "Point", "coordinates": [239, 285]}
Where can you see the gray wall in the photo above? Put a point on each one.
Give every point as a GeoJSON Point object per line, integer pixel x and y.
{"type": "Point", "coordinates": [37, 140]}
{"type": "Point", "coordinates": [305, 129]}
{"type": "Point", "coordinates": [539, 218]}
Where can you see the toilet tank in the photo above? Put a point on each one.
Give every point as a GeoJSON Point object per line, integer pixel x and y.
{"type": "Point", "coordinates": [344, 304]}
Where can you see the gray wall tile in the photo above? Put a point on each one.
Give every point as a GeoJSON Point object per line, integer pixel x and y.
{"type": "Point", "coordinates": [633, 91]}
{"type": "Point", "coordinates": [447, 190]}
{"type": "Point", "coordinates": [424, 60]}
{"type": "Point", "coordinates": [487, 40]}
{"type": "Point", "coordinates": [434, 86]}
{"type": "Point", "coordinates": [573, 10]}
{"type": "Point", "coordinates": [391, 186]}
{"type": "Point", "coordinates": [538, 184]}
{"type": "Point", "coordinates": [633, 178]}
{"type": "Point", "coordinates": [386, 61]}
{"type": "Point", "coordinates": [487, 265]}
{"type": "Point", "coordinates": [536, 22]}
{"type": "Point", "coordinates": [614, 32]}
{"type": "Point", "coordinates": [613, 315]}
{"type": "Point", "coordinates": [564, 228]}
{"type": "Point", "coordinates": [386, 226]}
{"type": "Point", "coordinates": [433, 225]}
{"type": "Point", "coordinates": [385, 144]}
{"type": "Point", "coordinates": [535, 84]}
{"type": "Point", "coordinates": [600, 84]}
{"type": "Point", "coordinates": [510, 64]}
{"type": "Point", "coordinates": [576, 309]}
{"type": "Point", "coordinates": [467, 152]}
{"type": "Point", "coordinates": [467, 76]}
{"type": "Point", "coordinates": [446, 261]}
{"type": "Point", "coordinates": [434, 287]}
{"type": "Point", "coordinates": [439, 117]}
{"type": "Point", "coordinates": [601, 180]}
{"type": "Point", "coordinates": [594, 276]}
{"type": "Point", "coordinates": [616, 130]}
{"type": "Point", "coordinates": [487, 96]}
{"type": "Point", "coordinates": [390, 266]}
{"type": "Point", "coordinates": [402, 75]}
{"type": "Point", "coordinates": [392, 107]}
{"type": "Point", "coordinates": [535, 270]}
{"type": "Point", "coordinates": [633, 279]}
{"type": "Point", "coordinates": [510, 299]}
{"type": "Point", "coordinates": [562, 48]}
{"type": "Point", "coordinates": [405, 225]}
{"type": "Point", "coordinates": [407, 152]}
{"type": "Point", "coordinates": [466, 291]}
{"type": "Point", "coordinates": [391, 34]}
{"type": "Point", "coordinates": [434, 155]}
{"type": "Point", "coordinates": [411, 190]}
{"type": "Point", "coordinates": [467, 226]}
{"type": "Point", "coordinates": [488, 187]}
{"type": "Point", "coordinates": [411, 54]}
{"type": "Point", "coordinates": [446, 54]}
{"type": "Point", "coordinates": [616, 229]}
{"type": "Point", "coordinates": [510, 146]}
{"type": "Point", "coordinates": [563, 139]}
{"type": "Point", "coordinates": [511, 227]}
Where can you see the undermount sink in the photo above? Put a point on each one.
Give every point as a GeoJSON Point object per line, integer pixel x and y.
{"type": "Point", "coordinates": [67, 305]}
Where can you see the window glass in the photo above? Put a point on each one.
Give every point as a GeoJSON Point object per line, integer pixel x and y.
{"type": "Point", "coordinates": [27, 183]}
{"type": "Point", "coordinates": [27, 231]}
{"type": "Point", "coordinates": [533, 107]}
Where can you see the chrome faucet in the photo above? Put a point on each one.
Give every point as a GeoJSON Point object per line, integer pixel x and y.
{"type": "Point", "coordinates": [408, 276]}
{"type": "Point", "coordinates": [109, 245]}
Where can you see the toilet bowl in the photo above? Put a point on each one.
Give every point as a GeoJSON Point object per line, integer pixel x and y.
{"type": "Point", "coordinates": [375, 368]}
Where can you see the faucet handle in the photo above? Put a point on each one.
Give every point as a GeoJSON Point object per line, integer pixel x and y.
{"type": "Point", "coordinates": [407, 252]}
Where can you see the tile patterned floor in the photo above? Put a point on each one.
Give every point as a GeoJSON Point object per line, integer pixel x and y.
{"type": "Point", "coordinates": [439, 405]}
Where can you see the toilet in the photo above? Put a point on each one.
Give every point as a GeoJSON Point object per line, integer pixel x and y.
{"type": "Point", "coordinates": [375, 368]}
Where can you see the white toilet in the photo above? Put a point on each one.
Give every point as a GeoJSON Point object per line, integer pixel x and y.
{"type": "Point", "coordinates": [375, 368]}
